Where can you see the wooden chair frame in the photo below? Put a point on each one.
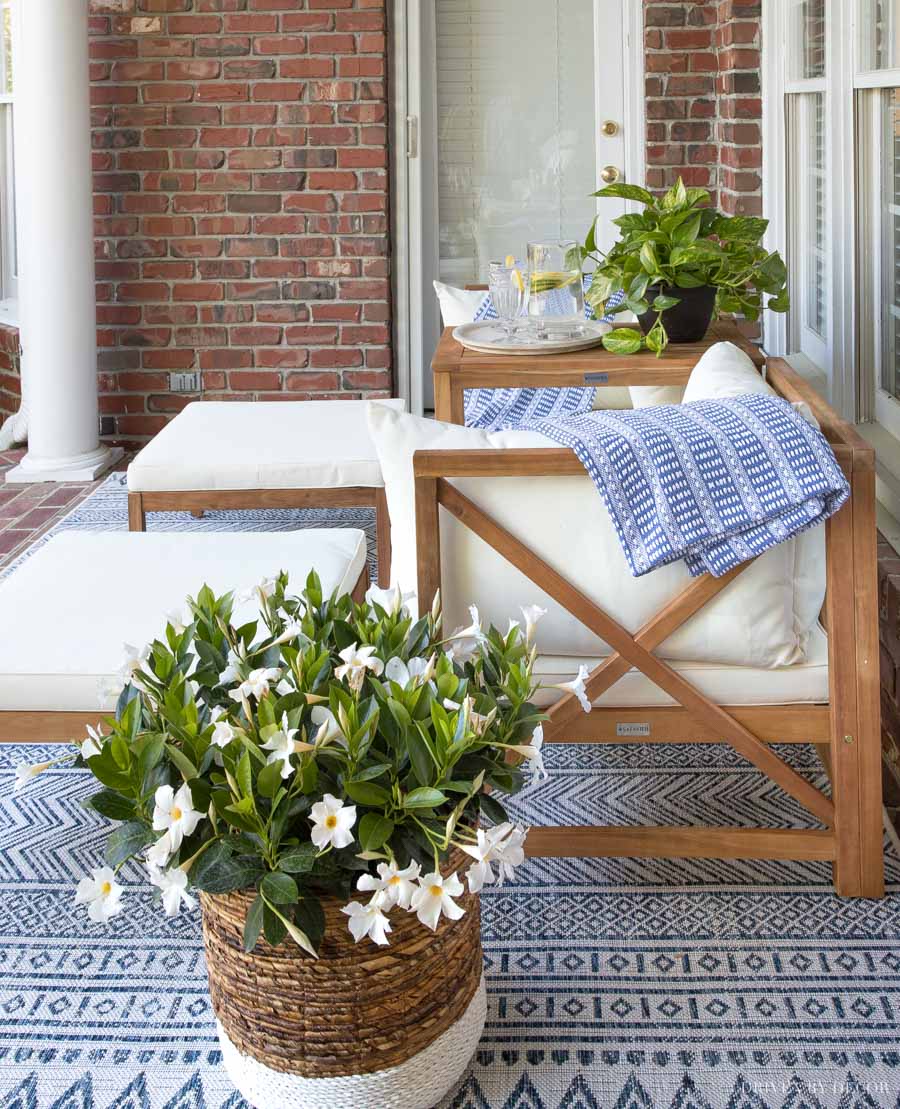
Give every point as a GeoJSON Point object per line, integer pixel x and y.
{"type": "Point", "coordinates": [36, 726]}
{"type": "Point", "coordinates": [197, 501]}
{"type": "Point", "coordinates": [846, 730]}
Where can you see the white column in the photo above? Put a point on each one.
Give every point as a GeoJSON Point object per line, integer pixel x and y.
{"type": "Point", "coordinates": [54, 198]}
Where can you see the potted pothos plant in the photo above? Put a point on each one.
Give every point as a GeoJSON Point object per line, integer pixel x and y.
{"type": "Point", "coordinates": [678, 261]}
{"type": "Point", "coordinates": [325, 778]}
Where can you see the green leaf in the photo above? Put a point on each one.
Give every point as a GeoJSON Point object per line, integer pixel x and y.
{"type": "Point", "coordinates": [184, 764]}
{"type": "Point", "coordinates": [626, 192]}
{"type": "Point", "coordinates": [222, 872]}
{"type": "Point", "coordinates": [125, 841]}
{"type": "Point", "coordinates": [253, 924]}
{"type": "Point", "coordinates": [424, 798]}
{"type": "Point", "coordinates": [648, 258]}
{"type": "Point", "coordinates": [372, 772]}
{"type": "Point", "coordinates": [675, 198]}
{"type": "Point", "coordinates": [492, 808]}
{"type": "Point", "coordinates": [120, 753]}
{"type": "Point", "coordinates": [299, 860]}
{"type": "Point", "coordinates": [278, 888]}
{"type": "Point", "coordinates": [273, 926]}
{"type": "Point", "coordinates": [661, 303]}
{"type": "Point", "coordinates": [310, 918]}
{"type": "Point", "coordinates": [269, 780]}
{"type": "Point", "coordinates": [367, 793]}
{"type": "Point", "coordinates": [112, 805]}
{"type": "Point", "coordinates": [623, 340]}
{"type": "Point", "coordinates": [374, 831]}
{"type": "Point", "coordinates": [244, 776]}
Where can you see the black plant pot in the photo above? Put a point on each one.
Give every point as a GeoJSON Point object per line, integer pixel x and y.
{"type": "Point", "coordinates": [687, 321]}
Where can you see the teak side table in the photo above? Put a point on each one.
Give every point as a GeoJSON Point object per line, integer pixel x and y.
{"type": "Point", "coordinates": [455, 368]}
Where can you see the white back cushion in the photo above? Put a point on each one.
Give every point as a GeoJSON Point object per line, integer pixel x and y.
{"type": "Point", "coordinates": [724, 370]}
{"type": "Point", "coordinates": [762, 619]}
{"type": "Point", "coordinates": [457, 305]}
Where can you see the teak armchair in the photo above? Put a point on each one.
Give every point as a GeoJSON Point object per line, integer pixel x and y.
{"type": "Point", "coordinates": [846, 730]}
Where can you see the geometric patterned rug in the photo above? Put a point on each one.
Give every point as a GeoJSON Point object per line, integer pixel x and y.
{"type": "Point", "coordinates": [626, 983]}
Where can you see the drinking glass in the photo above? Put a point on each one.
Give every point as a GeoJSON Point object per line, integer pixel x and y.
{"type": "Point", "coordinates": [555, 291]}
{"type": "Point", "coordinates": [507, 287]}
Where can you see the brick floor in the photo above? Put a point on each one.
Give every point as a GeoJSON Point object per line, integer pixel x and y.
{"type": "Point", "coordinates": [27, 511]}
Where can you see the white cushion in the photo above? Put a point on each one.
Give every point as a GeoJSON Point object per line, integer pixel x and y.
{"type": "Point", "coordinates": [762, 619]}
{"type": "Point", "coordinates": [254, 445]}
{"type": "Point", "coordinates": [648, 396]}
{"type": "Point", "coordinates": [68, 609]}
{"type": "Point", "coordinates": [458, 305]}
{"type": "Point", "coordinates": [722, 371]}
{"type": "Point", "coordinates": [804, 683]}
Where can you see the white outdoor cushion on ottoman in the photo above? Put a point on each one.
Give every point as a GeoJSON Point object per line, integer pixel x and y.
{"type": "Point", "coordinates": [248, 454]}
{"type": "Point", "coordinates": [69, 608]}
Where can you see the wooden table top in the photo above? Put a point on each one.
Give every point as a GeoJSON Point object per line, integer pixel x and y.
{"type": "Point", "coordinates": [595, 366]}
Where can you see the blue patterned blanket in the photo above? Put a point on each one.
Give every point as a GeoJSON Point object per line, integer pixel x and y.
{"type": "Point", "coordinates": [715, 482]}
{"type": "Point", "coordinates": [493, 409]}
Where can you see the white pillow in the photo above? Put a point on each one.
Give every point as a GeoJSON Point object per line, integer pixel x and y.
{"type": "Point", "coordinates": [458, 305]}
{"type": "Point", "coordinates": [724, 370]}
{"type": "Point", "coordinates": [761, 619]}
{"type": "Point", "coordinates": [648, 396]}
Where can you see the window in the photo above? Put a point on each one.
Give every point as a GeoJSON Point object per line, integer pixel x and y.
{"type": "Point", "coordinates": [8, 268]}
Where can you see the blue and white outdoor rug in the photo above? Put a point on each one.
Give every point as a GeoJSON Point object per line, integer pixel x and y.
{"type": "Point", "coordinates": [622, 984]}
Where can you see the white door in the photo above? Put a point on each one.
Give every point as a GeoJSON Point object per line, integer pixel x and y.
{"type": "Point", "coordinates": [516, 114]}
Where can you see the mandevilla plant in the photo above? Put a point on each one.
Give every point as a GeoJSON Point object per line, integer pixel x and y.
{"type": "Point", "coordinates": [325, 745]}
{"type": "Point", "coordinates": [677, 243]}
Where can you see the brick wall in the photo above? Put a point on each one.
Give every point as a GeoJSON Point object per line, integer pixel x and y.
{"type": "Point", "coordinates": [704, 98]}
{"type": "Point", "coordinates": [240, 156]}
{"type": "Point", "coordinates": [10, 383]}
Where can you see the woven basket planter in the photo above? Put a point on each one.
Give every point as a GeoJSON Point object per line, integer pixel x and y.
{"type": "Point", "coordinates": [362, 1026]}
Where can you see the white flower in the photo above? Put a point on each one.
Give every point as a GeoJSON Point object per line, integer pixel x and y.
{"type": "Point", "coordinates": [533, 752]}
{"type": "Point", "coordinates": [532, 614]}
{"type": "Point", "coordinates": [394, 885]}
{"type": "Point", "coordinates": [256, 684]}
{"type": "Point", "coordinates": [501, 845]}
{"type": "Point", "coordinates": [230, 673]}
{"type": "Point", "coordinates": [509, 849]}
{"type": "Point", "coordinates": [417, 670]}
{"type": "Point", "coordinates": [292, 629]}
{"type": "Point", "coordinates": [357, 660]}
{"type": "Point", "coordinates": [576, 686]}
{"type": "Point", "coordinates": [391, 600]}
{"type": "Point", "coordinates": [173, 884]}
{"type": "Point", "coordinates": [108, 689]}
{"type": "Point", "coordinates": [91, 746]}
{"type": "Point", "coordinates": [480, 873]}
{"type": "Point", "coordinates": [332, 821]}
{"type": "Point", "coordinates": [159, 854]}
{"type": "Point", "coordinates": [174, 813]}
{"type": "Point", "coordinates": [434, 899]}
{"type": "Point", "coordinates": [282, 746]}
{"type": "Point", "coordinates": [465, 641]}
{"type": "Point", "coordinates": [284, 687]}
{"type": "Point", "coordinates": [262, 591]}
{"type": "Point", "coordinates": [223, 732]}
{"type": "Point", "coordinates": [329, 729]}
{"type": "Point", "coordinates": [134, 660]}
{"type": "Point", "coordinates": [101, 893]}
{"type": "Point", "coordinates": [25, 771]}
{"type": "Point", "coordinates": [368, 920]}
{"type": "Point", "coordinates": [179, 618]}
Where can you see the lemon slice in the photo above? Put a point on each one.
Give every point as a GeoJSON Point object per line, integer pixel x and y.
{"type": "Point", "coordinates": [509, 260]}
{"type": "Point", "coordinates": [517, 280]}
{"type": "Point", "coordinates": [544, 281]}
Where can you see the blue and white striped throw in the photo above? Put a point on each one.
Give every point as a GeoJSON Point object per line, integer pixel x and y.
{"type": "Point", "coordinates": [492, 409]}
{"type": "Point", "coordinates": [715, 482]}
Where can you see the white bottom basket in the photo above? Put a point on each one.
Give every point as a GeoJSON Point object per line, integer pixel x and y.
{"type": "Point", "coordinates": [419, 1083]}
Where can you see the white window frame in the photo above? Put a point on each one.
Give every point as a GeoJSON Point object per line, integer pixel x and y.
{"type": "Point", "coordinates": [9, 284]}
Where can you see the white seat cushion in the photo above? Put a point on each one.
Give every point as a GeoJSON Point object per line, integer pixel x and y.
{"type": "Point", "coordinates": [762, 619]}
{"type": "Point", "coordinates": [804, 683]}
{"type": "Point", "coordinates": [251, 445]}
{"type": "Point", "coordinates": [69, 608]}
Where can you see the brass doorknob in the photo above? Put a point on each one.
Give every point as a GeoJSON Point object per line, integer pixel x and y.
{"type": "Point", "coordinates": [610, 128]}
{"type": "Point", "coordinates": [610, 174]}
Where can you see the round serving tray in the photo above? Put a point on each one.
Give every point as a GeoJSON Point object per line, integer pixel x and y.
{"type": "Point", "coordinates": [489, 338]}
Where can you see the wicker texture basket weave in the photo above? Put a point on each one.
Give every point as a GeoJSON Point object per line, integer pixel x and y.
{"type": "Point", "coordinates": [359, 1008]}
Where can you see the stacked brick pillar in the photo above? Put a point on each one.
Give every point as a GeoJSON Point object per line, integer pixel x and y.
{"type": "Point", "coordinates": [704, 98]}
